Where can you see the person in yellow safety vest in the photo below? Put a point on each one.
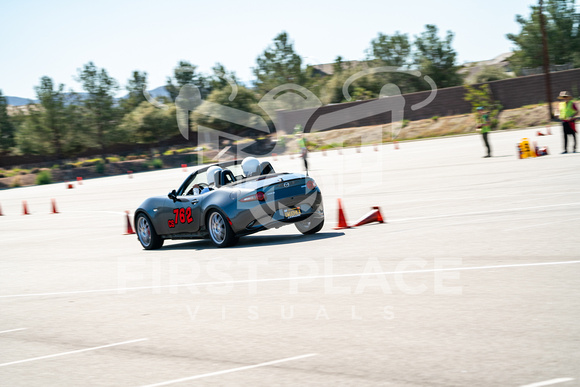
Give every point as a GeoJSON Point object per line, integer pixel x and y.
{"type": "Point", "coordinates": [484, 126]}
{"type": "Point", "coordinates": [567, 113]}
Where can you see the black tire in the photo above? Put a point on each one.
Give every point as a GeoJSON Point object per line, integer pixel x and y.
{"type": "Point", "coordinates": [146, 233]}
{"type": "Point", "coordinates": [219, 229]}
{"type": "Point", "coordinates": [310, 225]}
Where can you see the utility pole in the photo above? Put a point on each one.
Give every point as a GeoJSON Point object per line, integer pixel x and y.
{"type": "Point", "coordinates": [546, 60]}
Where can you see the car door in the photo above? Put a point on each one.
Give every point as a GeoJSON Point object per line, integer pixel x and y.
{"type": "Point", "coordinates": [181, 216]}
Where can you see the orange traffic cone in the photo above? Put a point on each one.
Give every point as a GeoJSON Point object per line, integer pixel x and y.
{"type": "Point", "coordinates": [373, 216]}
{"type": "Point", "coordinates": [54, 210]}
{"type": "Point", "coordinates": [341, 218]}
{"type": "Point", "coordinates": [184, 167]}
{"type": "Point", "coordinates": [130, 174]}
{"type": "Point", "coordinates": [396, 144]}
{"type": "Point", "coordinates": [69, 185]}
{"type": "Point", "coordinates": [539, 133]}
{"type": "Point", "coordinates": [25, 208]}
{"type": "Point", "coordinates": [129, 228]}
{"type": "Point", "coordinates": [549, 131]}
{"type": "Point", "coordinates": [79, 180]}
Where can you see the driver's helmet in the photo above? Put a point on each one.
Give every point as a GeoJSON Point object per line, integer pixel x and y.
{"type": "Point", "coordinates": [211, 172]}
{"type": "Point", "coordinates": [250, 166]}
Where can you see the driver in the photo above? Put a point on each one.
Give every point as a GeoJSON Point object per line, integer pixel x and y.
{"type": "Point", "coordinates": [211, 172]}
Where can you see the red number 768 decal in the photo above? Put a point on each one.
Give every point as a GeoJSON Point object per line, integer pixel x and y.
{"type": "Point", "coordinates": [182, 215]}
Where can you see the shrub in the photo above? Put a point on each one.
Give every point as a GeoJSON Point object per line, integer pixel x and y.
{"type": "Point", "coordinates": [100, 166]}
{"type": "Point", "coordinates": [435, 118]}
{"type": "Point", "coordinates": [44, 177]}
{"type": "Point", "coordinates": [508, 125]}
{"type": "Point", "coordinates": [405, 123]}
{"type": "Point", "coordinates": [157, 163]}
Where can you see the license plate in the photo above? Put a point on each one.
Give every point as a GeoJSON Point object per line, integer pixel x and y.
{"type": "Point", "coordinates": [292, 213]}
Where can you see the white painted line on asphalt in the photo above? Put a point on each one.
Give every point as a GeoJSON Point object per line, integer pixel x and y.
{"type": "Point", "coordinates": [70, 352]}
{"type": "Point", "coordinates": [122, 290]}
{"type": "Point", "coordinates": [486, 212]}
{"type": "Point", "coordinates": [549, 382]}
{"type": "Point", "coordinates": [14, 330]}
{"type": "Point", "coordinates": [230, 370]}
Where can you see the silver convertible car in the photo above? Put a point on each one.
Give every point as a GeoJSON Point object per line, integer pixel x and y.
{"type": "Point", "coordinates": [225, 201]}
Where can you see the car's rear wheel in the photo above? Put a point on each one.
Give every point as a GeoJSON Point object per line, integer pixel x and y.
{"type": "Point", "coordinates": [310, 225]}
{"type": "Point", "coordinates": [220, 231]}
{"type": "Point", "coordinates": [146, 233]}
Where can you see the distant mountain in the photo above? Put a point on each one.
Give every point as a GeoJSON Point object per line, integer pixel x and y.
{"type": "Point", "coordinates": [17, 101]}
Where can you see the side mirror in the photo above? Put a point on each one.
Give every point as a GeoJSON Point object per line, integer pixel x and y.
{"type": "Point", "coordinates": [172, 195]}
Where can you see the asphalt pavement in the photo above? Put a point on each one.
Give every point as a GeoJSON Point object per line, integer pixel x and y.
{"type": "Point", "coordinates": [472, 281]}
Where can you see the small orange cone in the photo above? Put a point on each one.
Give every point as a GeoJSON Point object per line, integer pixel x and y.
{"type": "Point", "coordinates": [130, 174]}
{"type": "Point", "coordinates": [396, 144]}
{"type": "Point", "coordinates": [549, 131]}
{"type": "Point", "coordinates": [184, 167]}
{"type": "Point", "coordinates": [69, 185]}
{"type": "Point", "coordinates": [373, 216]}
{"type": "Point", "coordinates": [79, 180]}
{"type": "Point", "coordinates": [54, 210]}
{"type": "Point", "coordinates": [129, 228]}
{"type": "Point", "coordinates": [25, 208]}
{"type": "Point", "coordinates": [341, 218]}
{"type": "Point", "coordinates": [539, 133]}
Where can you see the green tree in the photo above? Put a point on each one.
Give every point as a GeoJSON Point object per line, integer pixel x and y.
{"type": "Point", "coordinates": [279, 64]}
{"type": "Point", "coordinates": [436, 58]}
{"type": "Point", "coordinates": [185, 73]}
{"type": "Point", "coordinates": [562, 32]}
{"type": "Point", "coordinates": [135, 86]}
{"type": "Point", "coordinates": [6, 126]}
{"type": "Point", "coordinates": [149, 124]}
{"type": "Point", "coordinates": [392, 50]}
{"type": "Point", "coordinates": [210, 114]}
{"type": "Point", "coordinates": [100, 101]}
{"type": "Point", "coordinates": [51, 116]}
{"type": "Point", "coordinates": [221, 77]}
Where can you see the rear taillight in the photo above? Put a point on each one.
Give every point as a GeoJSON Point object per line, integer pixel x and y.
{"type": "Point", "coordinates": [260, 196]}
{"type": "Point", "coordinates": [310, 184]}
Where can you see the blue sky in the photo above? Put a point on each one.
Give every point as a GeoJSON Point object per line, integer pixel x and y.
{"type": "Point", "coordinates": [57, 37]}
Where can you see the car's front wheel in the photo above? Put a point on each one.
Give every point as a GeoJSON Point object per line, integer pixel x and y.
{"type": "Point", "coordinates": [310, 225]}
{"type": "Point", "coordinates": [220, 231]}
{"type": "Point", "coordinates": [146, 233]}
